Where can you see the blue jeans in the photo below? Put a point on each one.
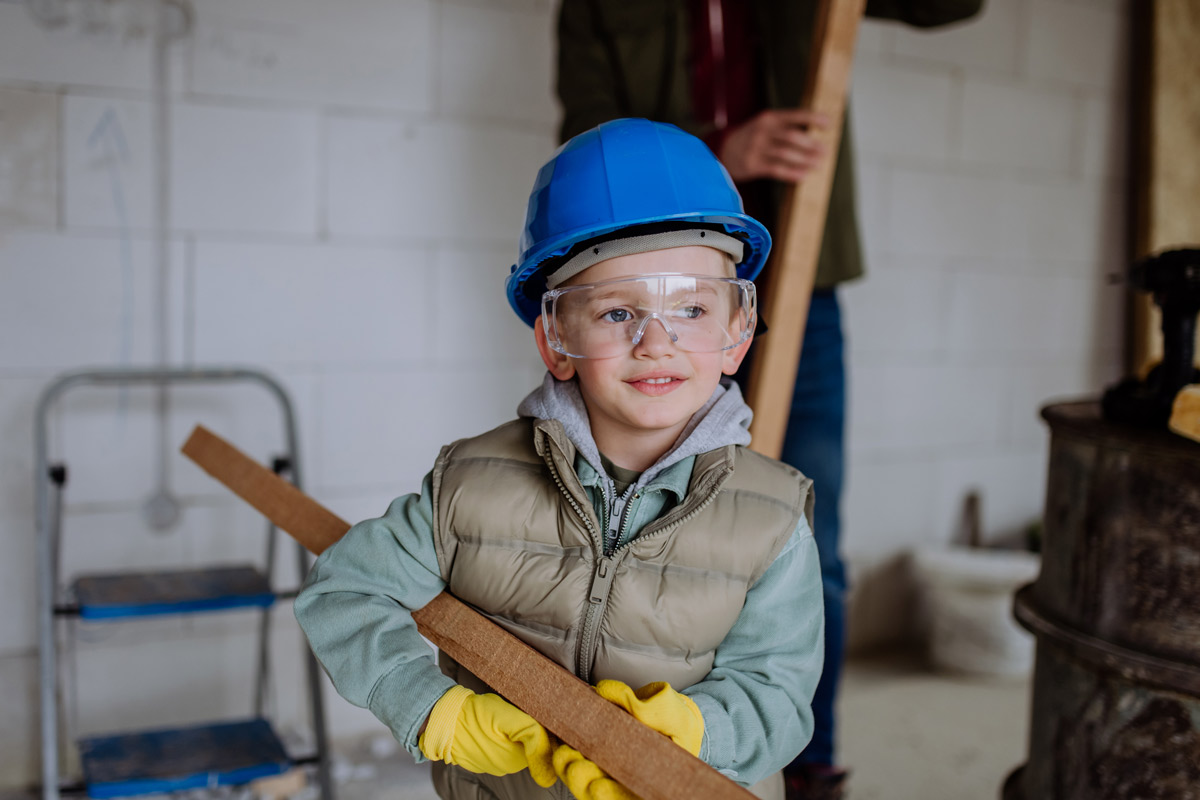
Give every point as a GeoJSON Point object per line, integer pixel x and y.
{"type": "Point", "coordinates": [814, 444]}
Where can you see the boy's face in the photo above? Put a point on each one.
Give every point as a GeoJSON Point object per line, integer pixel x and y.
{"type": "Point", "coordinates": [640, 401]}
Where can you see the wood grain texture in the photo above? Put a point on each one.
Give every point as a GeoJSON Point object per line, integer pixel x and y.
{"type": "Point", "coordinates": [645, 761]}
{"type": "Point", "coordinates": [787, 282]}
{"type": "Point", "coordinates": [1167, 156]}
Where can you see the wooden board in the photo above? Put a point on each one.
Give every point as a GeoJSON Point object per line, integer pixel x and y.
{"type": "Point", "coordinates": [648, 763]}
{"type": "Point", "coordinates": [1167, 153]}
{"type": "Point", "coordinates": [787, 282]}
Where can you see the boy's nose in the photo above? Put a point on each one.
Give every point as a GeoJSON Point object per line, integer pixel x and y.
{"type": "Point", "coordinates": [653, 339]}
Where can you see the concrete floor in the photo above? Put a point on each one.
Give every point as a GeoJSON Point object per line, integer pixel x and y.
{"type": "Point", "coordinates": [911, 734]}
{"type": "Point", "coordinates": [907, 733]}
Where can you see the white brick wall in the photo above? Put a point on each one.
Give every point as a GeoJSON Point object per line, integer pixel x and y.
{"type": "Point", "coordinates": [988, 291]}
{"type": "Point", "coordinates": [347, 183]}
{"type": "Point", "coordinates": [29, 160]}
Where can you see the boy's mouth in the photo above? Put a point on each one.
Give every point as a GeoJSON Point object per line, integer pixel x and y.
{"type": "Point", "coordinates": [656, 385]}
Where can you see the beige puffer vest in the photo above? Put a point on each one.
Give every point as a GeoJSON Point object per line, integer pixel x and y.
{"type": "Point", "coordinates": [517, 537]}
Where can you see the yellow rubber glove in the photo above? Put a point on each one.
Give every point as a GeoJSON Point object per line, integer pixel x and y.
{"type": "Point", "coordinates": [655, 705]}
{"type": "Point", "coordinates": [485, 733]}
{"type": "Point", "coordinates": [660, 707]}
{"type": "Point", "coordinates": [586, 780]}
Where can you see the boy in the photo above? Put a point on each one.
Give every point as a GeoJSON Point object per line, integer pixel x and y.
{"type": "Point", "coordinates": [619, 525]}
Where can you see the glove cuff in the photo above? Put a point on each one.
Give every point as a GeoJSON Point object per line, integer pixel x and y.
{"type": "Point", "coordinates": [443, 719]}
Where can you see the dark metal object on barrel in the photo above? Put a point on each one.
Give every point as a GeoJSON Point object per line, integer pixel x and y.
{"type": "Point", "coordinates": [1116, 613]}
{"type": "Point", "coordinates": [1173, 278]}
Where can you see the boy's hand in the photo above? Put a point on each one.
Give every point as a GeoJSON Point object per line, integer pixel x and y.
{"type": "Point", "coordinates": [776, 143]}
{"type": "Point", "coordinates": [586, 780]}
{"type": "Point", "coordinates": [484, 733]}
{"type": "Point", "coordinates": [660, 707]}
{"type": "Point", "coordinates": [655, 705]}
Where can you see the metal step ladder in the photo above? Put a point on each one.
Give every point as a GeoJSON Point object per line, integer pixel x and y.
{"type": "Point", "coordinates": [216, 753]}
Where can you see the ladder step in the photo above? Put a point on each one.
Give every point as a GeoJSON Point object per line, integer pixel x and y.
{"type": "Point", "coordinates": [176, 759]}
{"type": "Point", "coordinates": [143, 594]}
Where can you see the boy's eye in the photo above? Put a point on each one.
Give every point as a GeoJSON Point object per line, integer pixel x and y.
{"type": "Point", "coordinates": [616, 315]}
{"type": "Point", "coordinates": [691, 312]}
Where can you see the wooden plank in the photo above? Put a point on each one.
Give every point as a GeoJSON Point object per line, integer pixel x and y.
{"type": "Point", "coordinates": [1167, 154]}
{"type": "Point", "coordinates": [1185, 413]}
{"type": "Point", "coordinates": [786, 284]}
{"type": "Point", "coordinates": [645, 761]}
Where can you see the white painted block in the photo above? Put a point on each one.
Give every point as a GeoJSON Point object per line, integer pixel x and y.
{"type": "Point", "coordinates": [1105, 134]}
{"type": "Point", "coordinates": [244, 170]}
{"type": "Point", "coordinates": [952, 214]}
{"type": "Point", "coordinates": [885, 104]}
{"type": "Point", "coordinates": [385, 429]}
{"type": "Point", "coordinates": [29, 163]}
{"type": "Point", "coordinates": [1031, 387]}
{"type": "Point", "coordinates": [875, 37]}
{"type": "Point", "coordinates": [423, 180]}
{"type": "Point", "coordinates": [379, 429]}
{"type": "Point", "coordinates": [1011, 484]}
{"type": "Point", "coordinates": [1081, 221]}
{"type": "Point", "coordinates": [496, 63]}
{"type": "Point", "coordinates": [887, 505]}
{"type": "Point", "coordinates": [473, 322]}
{"type": "Point", "coordinates": [1077, 43]}
{"type": "Point", "coordinates": [108, 172]}
{"type": "Point", "coordinates": [18, 583]}
{"type": "Point", "coordinates": [70, 54]}
{"type": "Point", "coordinates": [1004, 315]}
{"type": "Point", "coordinates": [293, 305]}
{"type": "Point", "coordinates": [1017, 126]}
{"type": "Point", "coordinates": [991, 41]}
{"type": "Point", "coordinates": [901, 307]}
{"type": "Point", "coordinates": [73, 301]}
{"type": "Point", "coordinates": [362, 53]}
{"type": "Point", "coordinates": [20, 750]}
{"type": "Point", "coordinates": [896, 405]}
{"type": "Point", "coordinates": [1029, 317]}
{"type": "Point", "coordinates": [873, 178]}
{"type": "Point", "coordinates": [18, 403]}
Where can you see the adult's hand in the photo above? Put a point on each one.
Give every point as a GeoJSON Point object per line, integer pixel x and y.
{"type": "Point", "coordinates": [777, 143]}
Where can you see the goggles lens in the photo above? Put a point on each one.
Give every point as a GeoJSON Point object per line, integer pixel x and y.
{"type": "Point", "coordinates": [602, 320]}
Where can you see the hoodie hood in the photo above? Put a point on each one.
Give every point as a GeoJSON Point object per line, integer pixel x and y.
{"type": "Point", "coordinates": [724, 420]}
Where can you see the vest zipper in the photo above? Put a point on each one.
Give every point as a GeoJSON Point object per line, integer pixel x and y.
{"type": "Point", "coordinates": [602, 580]}
{"type": "Point", "coordinates": [603, 577]}
{"type": "Point", "coordinates": [600, 584]}
{"type": "Point", "coordinates": [562, 488]}
{"type": "Point", "coordinates": [619, 514]}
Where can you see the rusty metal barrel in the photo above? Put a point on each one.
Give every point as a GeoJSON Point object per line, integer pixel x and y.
{"type": "Point", "coordinates": [1116, 615]}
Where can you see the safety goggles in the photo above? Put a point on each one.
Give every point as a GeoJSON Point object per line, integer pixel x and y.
{"type": "Point", "coordinates": [601, 320]}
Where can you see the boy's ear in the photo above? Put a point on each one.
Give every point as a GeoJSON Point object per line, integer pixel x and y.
{"type": "Point", "coordinates": [560, 366]}
{"type": "Point", "coordinates": [734, 356]}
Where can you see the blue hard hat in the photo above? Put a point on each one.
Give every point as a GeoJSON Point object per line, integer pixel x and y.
{"type": "Point", "coordinates": [623, 174]}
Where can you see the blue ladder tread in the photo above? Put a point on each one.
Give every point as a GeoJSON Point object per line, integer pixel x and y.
{"type": "Point", "coordinates": [137, 594]}
{"type": "Point", "coordinates": [175, 759]}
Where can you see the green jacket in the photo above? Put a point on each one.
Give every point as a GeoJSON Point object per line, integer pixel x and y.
{"type": "Point", "coordinates": [618, 58]}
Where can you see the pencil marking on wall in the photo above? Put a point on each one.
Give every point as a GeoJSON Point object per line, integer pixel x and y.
{"type": "Point", "coordinates": [107, 139]}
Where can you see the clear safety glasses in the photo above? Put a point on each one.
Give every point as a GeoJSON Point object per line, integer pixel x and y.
{"type": "Point", "coordinates": [602, 320]}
